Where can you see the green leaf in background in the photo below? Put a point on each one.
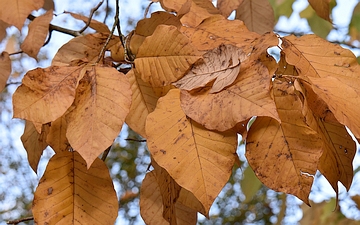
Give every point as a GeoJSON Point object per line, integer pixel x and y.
{"type": "Point", "coordinates": [318, 25]}
{"type": "Point", "coordinates": [354, 26]}
{"type": "Point", "coordinates": [250, 184]}
{"type": "Point", "coordinates": [282, 8]}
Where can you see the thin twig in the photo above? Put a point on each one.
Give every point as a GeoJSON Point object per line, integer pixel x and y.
{"type": "Point", "coordinates": [106, 11]}
{"type": "Point", "coordinates": [12, 83]}
{"type": "Point", "coordinates": [20, 220]}
{"type": "Point", "coordinates": [73, 33]}
{"type": "Point", "coordinates": [15, 53]}
{"type": "Point", "coordinates": [91, 15]}
{"type": "Point", "coordinates": [105, 154]}
{"type": "Point", "coordinates": [147, 9]}
{"type": "Point", "coordinates": [132, 139]}
{"type": "Point", "coordinates": [121, 36]}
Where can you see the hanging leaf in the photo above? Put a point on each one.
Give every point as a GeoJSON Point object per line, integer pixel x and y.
{"type": "Point", "coordinates": [165, 56]}
{"type": "Point", "coordinates": [221, 64]}
{"type": "Point", "coordinates": [100, 108]}
{"type": "Point", "coordinates": [3, 27]}
{"type": "Point", "coordinates": [258, 15]}
{"type": "Point", "coordinates": [185, 149]}
{"type": "Point", "coordinates": [34, 143]}
{"type": "Point", "coordinates": [227, 6]}
{"type": "Point", "coordinates": [46, 94]}
{"type": "Point", "coordinates": [5, 69]}
{"type": "Point", "coordinates": [69, 192]}
{"type": "Point", "coordinates": [322, 8]}
{"type": "Point", "coordinates": [56, 137]}
{"type": "Point", "coordinates": [15, 12]}
{"type": "Point", "coordinates": [199, 10]}
{"type": "Point", "coordinates": [38, 30]}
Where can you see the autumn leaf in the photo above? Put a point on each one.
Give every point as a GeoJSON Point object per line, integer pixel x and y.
{"type": "Point", "coordinates": [34, 143]}
{"type": "Point", "coordinates": [38, 30]}
{"type": "Point", "coordinates": [248, 96]}
{"type": "Point", "coordinates": [15, 12]}
{"type": "Point", "coordinates": [94, 24]}
{"type": "Point", "coordinates": [332, 72]}
{"type": "Point", "coordinates": [284, 156]}
{"type": "Point", "coordinates": [258, 15]}
{"type": "Point", "coordinates": [46, 94]}
{"type": "Point", "coordinates": [185, 149]}
{"type": "Point", "coordinates": [217, 30]}
{"type": "Point", "coordinates": [321, 8]}
{"type": "Point", "coordinates": [165, 56]}
{"type": "Point", "coordinates": [85, 48]}
{"type": "Point", "coordinates": [3, 27]}
{"type": "Point", "coordinates": [221, 64]}
{"type": "Point", "coordinates": [56, 137]}
{"type": "Point", "coordinates": [102, 102]}
{"type": "Point", "coordinates": [69, 192]}
{"type": "Point", "coordinates": [176, 5]}
{"type": "Point", "coordinates": [199, 10]}
{"type": "Point", "coordinates": [227, 6]}
{"type": "Point", "coordinates": [5, 69]}
{"type": "Point", "coordinates": [48, 5]}
{"type": "Point", "coordinates": [143, 102]}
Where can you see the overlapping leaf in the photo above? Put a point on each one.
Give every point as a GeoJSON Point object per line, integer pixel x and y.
{"type": "Point", "coordinates": [258, 15]}
{"type": "Point", "coordinates": [46, 94]}
{"type": "Point", "coordinates": [284, 156]}
{"type": "Point", "coordinates": [5, 69]}
{"type": "Point", "coordinates": [199, 10]}
{"type": "Point", "coordinates": [248, 96]}
{"type": "Point", "coordinates": [86, 48]}
{"type": "Point", "coordinates": [69, 193]}
{"type": "Point", "coordinates": [56, 137]}
{"type": "Point", "coordinates": [187, 150]}
{"type": "Point", "coordinates": [38, 30]}
{"type": "Point", "coordinates": [34, 143]}
{"type": "Point", "coordinates": [221, 64]}
{"type": "Point", "coordinates": [165, 56]}
{"type": "Point", "coordinates": [321, 8]}
{"type": "Point", "coordinates": [333, 73]}
{"type": "Point", "coordinates": [15, 12]}
{"type": "Point", "coordinates": [227, 6]}
{"type": "Point", "coordinates": [3, 27]}
{"type": "Point", "coordinates": [102, 102]}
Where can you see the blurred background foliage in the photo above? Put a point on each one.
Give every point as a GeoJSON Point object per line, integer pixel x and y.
{"type": "Point", "coordinates": [244, 200]}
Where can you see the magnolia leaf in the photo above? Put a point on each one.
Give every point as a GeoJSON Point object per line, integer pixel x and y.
{"type": "Point", "coordinates": [34, 143]}
{"type": "Point", "coordinates": [46, 94]}
{"type": "Point", "coordinates": [69, 192]}
{"type": "Point", "coordinates": [143, 102]}
{"type": "Point", "coordinates": [86, 48]}
{"type": "Point", "coordinates": [56, 137]}
{"type": "Point", "coordinates": [258, 15]}
{"type": "Point", "coordinates": [322, 8]}
{"type": "Point", "coordinates": [221, 64]}
{"type": "Point", "coordinates": [285, 156]}
{"type": "Point", "coordinates": [248, 96]}
{"type": "Point", "coordinates": [3, 27]}
{"type": "Point", "coordinates": [102, 102]}
{"type": "Point", "coordinates": [332, 72]}
{"type": "Point", "coordinates": [186, 149]}
{"type": "Point", "coordinates": [5, 69]}
{"type": "Point", "coordinates": [165, 56]}
{"type": "Point", "coordinates": [227, 6]}
{"type": "Point", "coordinates": [94, 24]}
{"type": "Point", "coordinates": [199, 11]}
{"type": "Point", "coordinates": [38, 30]}
{"type": "Point", "coordinates": [15, 12]}
{"type": "Point", "coordinates": [217, 30]}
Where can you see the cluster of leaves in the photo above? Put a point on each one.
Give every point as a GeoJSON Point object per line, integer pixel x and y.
{"type": "Point", "coordinates": [196, 81]}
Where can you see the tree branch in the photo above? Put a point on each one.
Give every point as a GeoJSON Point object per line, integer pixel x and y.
{"type": "Point", "coordinates": [91, 15]}
{"type": "Point", "coordinates": [20, 220]}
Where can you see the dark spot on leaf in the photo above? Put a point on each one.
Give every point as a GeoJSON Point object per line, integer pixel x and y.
{"type": "Point", "coordinates": [49, 190]}
{"type": "Point", "coordinates": [163, 151]}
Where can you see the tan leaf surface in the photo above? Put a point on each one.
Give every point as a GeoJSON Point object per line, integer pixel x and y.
{"type": "Point", "coordinates": [285, 156]}
{"type": "Point", "coordinates": [199, 10]}
{"type": "Point", "coordinates": [56, 137]}
{"type": "Point", "coordinates": [49, 5]}
{"type": "Point", "coordinates": [333, 73]}
{"type": "Point", "coordinates": [143, 102]}
{"type": "Point", "coordinates": [15, 12]}
{"type": "Point", "coordinates": [258, 15]}
{"type": "Point", "coordinates": [186, 149]}
{"type": "Point", "coordinates": [46, 94]}
{"type": "Point", "coordinates": [5, 69]}
{"type": "Point", "coordinates": [221, 64]}
{"type": "Point", "coordinates": [175, 5]}
{"type": "Point", "coordinates": [248, 96]}
{"type": "Point", "coordinates": [321, 8]}
{"type": "Point", "coordinates": [34, 143]}
{"type": "Point", "coordinates": [217, 30]}
{"type": "Point", "coordinates": [68, 192]}
{"type": "Point", "coordinates": [85, 47]}
{"type": "Point", "coordinates": [38, 31]}
{"type": "Point", "coordinates": [227, 6]}
{"type": "Point", "coordinates": [165, 56]}
{"type": "Point", "coordinates": [3, 27]}
{"type": "Point", "coordinates": [94, 24]}
{"type": "Point", "coordinates": [102, 102]}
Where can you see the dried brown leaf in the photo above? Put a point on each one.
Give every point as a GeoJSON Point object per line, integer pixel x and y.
{"type": "Point", "coordinates": [221, 64]}
{"type": "Point", "coordinates": [227, 6]}
{"type": "Point", "coordinates": [322, 8]}
{"type": "Point", "coordinates": [38, 31]}
{"type": "Point", "coordinates": [3, 27]}
{"type": "Point", "coordinates": [5, 69]}
{"type": "Point", "coordinates": [199, 10]}
{"type": "Point", "coordinates": [56, 137]}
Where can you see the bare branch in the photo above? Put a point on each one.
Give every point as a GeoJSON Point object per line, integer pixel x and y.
{"type": "Point", "coordinates": [20, 220]}
{"type": "Point", "coordinates": [136, 140]}
{"type": "Point", "coordinates": [91, 15]}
